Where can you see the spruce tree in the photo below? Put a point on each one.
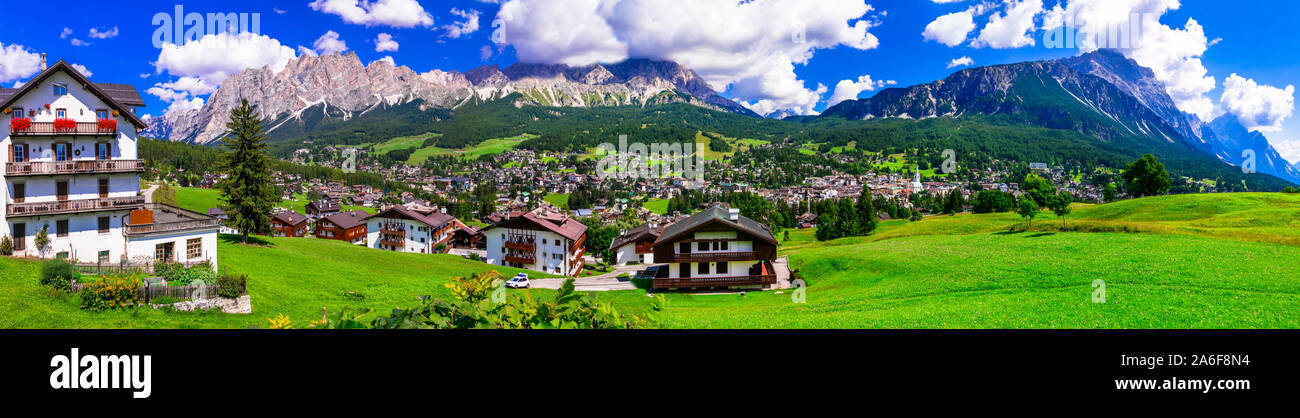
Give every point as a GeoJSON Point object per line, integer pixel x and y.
{"type": "Point", "coordinates": [866, 214]}
{"type": "Point", "coordinates": [248, 191]}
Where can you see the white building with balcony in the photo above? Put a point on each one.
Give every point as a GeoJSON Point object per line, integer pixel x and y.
{"type": "Point", "coordinates": [70, 168]}
{"type": "Point", "coordinates": [543, 240]}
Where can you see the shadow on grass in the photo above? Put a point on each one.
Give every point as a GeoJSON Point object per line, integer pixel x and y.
{"type": "Point", "coordinates": [253, 240]}
{"type": "Point", "coordinates": [1041, 234]}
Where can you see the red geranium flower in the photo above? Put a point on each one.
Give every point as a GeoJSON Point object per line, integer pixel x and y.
{"type": "Point", "coordinates": [20, 124]}
{"type": "Point", "coordinates": [109, 125]}
{"type": "Point", "coordinates": [65, 124]}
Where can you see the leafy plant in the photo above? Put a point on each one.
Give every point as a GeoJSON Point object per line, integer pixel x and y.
{"type": "Point", "coordinates": [231, 286]}
{"type": "Point", "coordinates": [111, 293]}
{"type": "Point", "coordinates": [6, 245]}
{"type": "Point", "coordinates": [57, 273]}
{"type": "Point", "coordinates": [43, 239]}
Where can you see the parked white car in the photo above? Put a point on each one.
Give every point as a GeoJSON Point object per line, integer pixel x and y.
{"type": "Point", "coordinates": [518, 282]}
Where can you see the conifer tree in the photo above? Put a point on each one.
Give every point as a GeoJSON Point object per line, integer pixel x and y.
{"type": "Point", "coordinates": [248, 192]}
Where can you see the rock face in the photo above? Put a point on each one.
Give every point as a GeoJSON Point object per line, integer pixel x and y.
{"type": "Point", "coordinates": [1102, 93]}
{"type": "Point", "coordinates": [340, 86]}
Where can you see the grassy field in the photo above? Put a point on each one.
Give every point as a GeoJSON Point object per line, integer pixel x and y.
{"type": "Point", "coordinates": [1195, 261]}
{"type": "Point", "coordinates": [292, 276]}
{"type": "Point", "coordinates": [490, 146]}
{"type": "Point", "coordinates": [658, 206]}
{"type": "Point", "coordinates": [199, 200]}
{"type": "Point", "coordinates": [559, 200]}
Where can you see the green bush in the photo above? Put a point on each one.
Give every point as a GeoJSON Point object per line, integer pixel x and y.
{"type": "Point", "coordinates": [58, 274]}
{"type": "Point", "coordinates": [178, 275]}
{"type": "Point", "coordinates": [111, 292]}
{"type": "Point", "coordinates": [231, 286]}
{"type": "Point", "coordinates": [6, 246]}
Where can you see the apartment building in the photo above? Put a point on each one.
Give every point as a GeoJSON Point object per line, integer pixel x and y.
{"type": "Point", "coordinates": [405, 230]}
{"type": "Point", "coordinates": [716, 248]}
{"type": "Point", "coordinates": [545, 240]}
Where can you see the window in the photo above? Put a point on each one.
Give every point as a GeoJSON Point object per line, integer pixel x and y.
{"type": "Point", "coordinates": [61, 190]}
{"type": "Point", "coordinates": [62, 255]}
{"type": "Point", "coordinates": [703, 268]}
{"type": "Point", "coordinates": [164, 252]}
{"type": "Point", "coordinates": [59, 90]}
{"type": "Point", "coordinates": [103, 188]}
{"type": "Point", "coordinates": [61, 228]}
{"type": "Point", "coordinates": [20, 192]}
{"type": "Point", "coordinates": [60, 113]}
{"type": "Point", "coordinates": [103, 224]}
{"type": "Point", "coordinates": [684, 270]}
{"type": "Point", "coordinates": [724, 245]}
{"type": "Point", "coordinates": [20, 153]}
{"type": "Point", "coordinates": [193, 248]}
{"type": "Point", "coordinates": [722, 268]}
{"type": "Point", "coordinates": [103, 257]}
{"type": "Point", "coordinates": [103, 151]}
{"type": "Point", "coordinates": [704, 246]}
{"type": "Point", "coordinates": [61, 152]}
{"type": "Point", "coordinates": [17, 112]}
{"type": "Point", "coordinates": [101, 114]}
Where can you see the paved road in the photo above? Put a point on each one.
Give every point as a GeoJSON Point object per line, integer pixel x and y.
{"type": "Point", "coordinates": [148, 193]}
{"type": "Point", "coordinates": [604, 282]}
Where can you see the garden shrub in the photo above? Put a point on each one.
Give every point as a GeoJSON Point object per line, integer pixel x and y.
{"type": "Point", "coordinates": [231, 286]}
{"type": "Point", "coordinates": [58, 274]}
{"type": "Point", "coordinates": [6, 245]}
{"type": "Point", "coordinates": [111, 293]}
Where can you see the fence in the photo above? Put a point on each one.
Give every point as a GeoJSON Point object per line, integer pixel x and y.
{"type": "Point", "coordinates": [150, 292]}
{"type": "Point", "coordinates": [124, 268]}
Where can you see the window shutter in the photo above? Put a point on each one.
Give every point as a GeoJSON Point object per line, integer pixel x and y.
{"type": "Point", "coordinates": [11, 153]}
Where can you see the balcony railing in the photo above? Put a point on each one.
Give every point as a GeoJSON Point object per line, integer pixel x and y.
{"type": "Point", "coordinates": [714, 257]}
{"type": "Point", "coordinates": [397, 230]}
{"type": "Point", "coordinates": [47, 128]}
{"type": "Point", "coordinates": [36, 168]}
{"type": "Point", "coordinates": [520, 246]}
{"type": "Point", "coordinates": [521, 259]}
{"type": "Point", "coordinates": [74, 206]}
{"type": "Point", "coordinates": [156, 228]}
{"type": "Point", "coordinates": [698, 282]}
{"type": "Point", "coordinates": [392, 243]}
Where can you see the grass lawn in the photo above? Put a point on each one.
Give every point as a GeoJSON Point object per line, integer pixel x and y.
{"type": "Point", "coordinates": [658, 206]}
{"type": "Point", "coordinates": [559, 200]}
{"type": "Point", "coordinates": [198, 200]}
{"type": "Point", "coordinates": [403, 142]}
{"type": "Point", "coordinates": [1193, 261]}
{"type": "Point", "coordinates": [299, 204]}
{"type": "Point", "coordinates": [490, 146]}
{"type": "Point", "coordinates": [293, 276]}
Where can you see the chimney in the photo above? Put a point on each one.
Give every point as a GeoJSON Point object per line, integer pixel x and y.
{"type": "Point", "coordinates": [42, 61]}
{"type": "Point", "coordinates": [733, 214]}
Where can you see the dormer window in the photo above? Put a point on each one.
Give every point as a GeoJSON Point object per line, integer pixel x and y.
{"type": "Point", "coordinates": [60, 89]}
{"type": "Point", "coordinates": [101, 114]}
{"type": "Point", "coordinates": [61, 113]}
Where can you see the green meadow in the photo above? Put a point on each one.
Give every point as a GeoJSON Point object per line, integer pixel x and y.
{"type": "Point", "coordinates": [1188, 261]}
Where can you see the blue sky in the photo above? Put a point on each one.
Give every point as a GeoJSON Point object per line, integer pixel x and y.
{"type": "Point", "coordinates": [770, 55]}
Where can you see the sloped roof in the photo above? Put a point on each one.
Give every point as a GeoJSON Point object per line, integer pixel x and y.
{"type": "Point", "coordinates": [562, 225]}
{"type": "Point", "coordinates": [118, 91]}
{"type": "Point", "coordinates": [348, 220]}
{"type": "Point", "coordinates": [715, 214]}
{"type": "Point", "coordinates": [290, 217]}
{"type": "Point", "coordinates": [434, 220]}
{"type": "Point", "coordinates": [636, 234]}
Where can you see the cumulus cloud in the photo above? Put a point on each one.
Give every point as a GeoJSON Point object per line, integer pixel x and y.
{"type": "Point", "coordinates": [183, 105]}
{"type": "Point", "coordinates": [1258, 107]}
{"type": "Point", "coordinates": [950, 29]}
{"type": "Point", "coordinates": [17, 62]}
{"type": "Point", "coordinates": [467, 25]}
{"type": "Point", "coordinates": [749, 47]}
{"type": "Point", "coordinates": [329, 43]}
{"type": "Point", "coordinates": [385, 42]}
{"type": "Point", "coordinates": [97, 34]}
{"type": "Point", "coordinates": [1174, 55]}
{"type": "Point", "coordinates": [387, 59]}
{"type": "Point", "coordinates": [212, 58]}
{"type": "Point", "coordinates": [395, 13]}
{"type": "Point", "coordinates": [82, 69]}
{"type": "Point", "coordinates": [964, 61]}
{"type": "Point", "coordinates": [1013, 29]}
{"type": "Point", "coordinates": [192, 85]}
{"type": "Point", "coordinates": [485, 52]}
{"type": "Point", "coordinates": [850, 89]}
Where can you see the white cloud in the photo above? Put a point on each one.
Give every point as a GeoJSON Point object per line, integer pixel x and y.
{"type": "Point", "coordinates": [395, 13]}
{"type": "Point", "coordinates": [166, 94]}
{"type": "Point", "coordinates": [467, 25]}
{"type": "Point", "coordinates": [66, 32]}
{"type": "Point", "coordinates": [964, 61]}
{"type": "Point", "coordinates": [78, 42]}
{"type": "Point", "coordinates": [17, 62]}
{"type": "Point", "coordinates": [385, 42]}
{"type": "Point", "coordinates": [850, 89]}
{"type": "Point", "coordinates": [82, 69]}
{"type": "Point", "coordinates": [485, 52]}
{"type": "Point", "coordinates": [751, 46]}
{"type": "Point", "coordinates": [329, 43]}
{"type": "Point", "coordinates": [111, 33]}
{"type": "Point", "coordinates": [387, 59]}
{"type": "Point", "coordinates": [1258, 107]}
{"type": "Point", "coordinates": [1174, 55]}
{"type": "Point", "coordinates": [215, 57]}
{"type": "Point", "coordinates": [950, 29]}
{"type": "Point", "coordinates": [193, 85]}
{"type": "Point", "coordinates": [183, 105]}
{"type": "Point", "coordinates": [1014, 29]}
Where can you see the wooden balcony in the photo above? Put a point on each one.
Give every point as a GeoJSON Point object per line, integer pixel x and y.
{"type": "Point", "coordinates": [163, 219]}
{"type": "Point", "coordinates": [714, 257]}
{"type": "Point", "coordinates": [395, 230]}
{"type": "Point", "coordinates": [82, 129]}
{"type": "Point", "coordinates": [521, 246]}
{"type": "Point", "coordinates": [521, 259]}
{"type": "Point", "coordinates": [41, 168]}
{"type": "Point", "coordinates": [74, 206]}
{"type": "Point", "coordinates": [707, 282]}
{"type": "Point", "coordinates": [392, 243]}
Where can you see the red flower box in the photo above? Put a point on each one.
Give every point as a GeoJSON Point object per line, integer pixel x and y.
{"type": "Point", "coordinates": [107, 125]}
{"type": "Point", "coordinates": [65, 125]}
{"type": "Point", "coordinates": [20, 124]}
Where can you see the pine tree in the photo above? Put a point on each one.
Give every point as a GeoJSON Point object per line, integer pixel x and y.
{"type": "Point", "coordinates": [248, 191]}
{"type": "Point", "coordinates": [867, 218]}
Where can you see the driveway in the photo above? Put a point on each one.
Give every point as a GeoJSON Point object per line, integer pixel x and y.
{"type": "Point", "coordinates": [603, 282]}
